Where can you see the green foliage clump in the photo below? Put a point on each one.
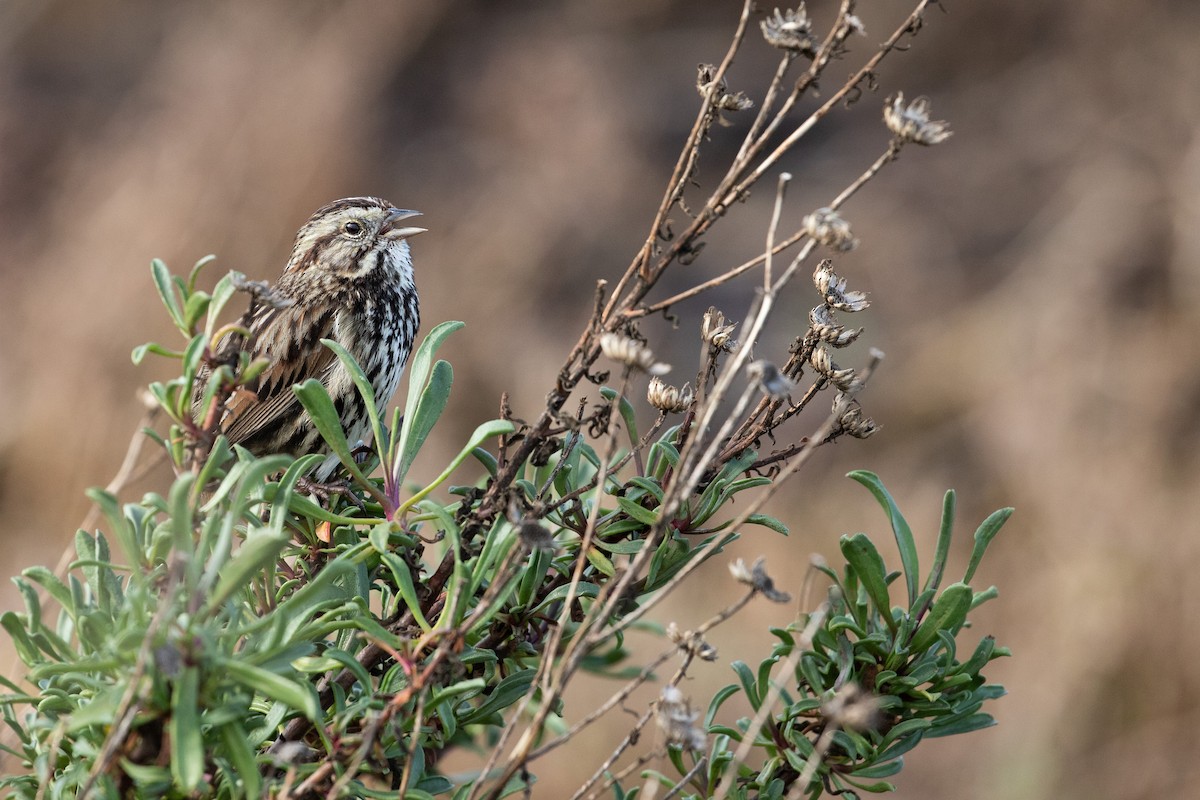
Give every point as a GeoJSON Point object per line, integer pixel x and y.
{"type": "Point", "coordinates": [237, 638]}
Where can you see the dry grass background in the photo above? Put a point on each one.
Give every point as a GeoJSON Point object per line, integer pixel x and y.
{"type": "Point", "coordinates": [1035, 280]}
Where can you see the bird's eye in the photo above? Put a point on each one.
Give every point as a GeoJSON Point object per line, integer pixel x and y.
{"type": "Point", "coordinates": [353, 228]}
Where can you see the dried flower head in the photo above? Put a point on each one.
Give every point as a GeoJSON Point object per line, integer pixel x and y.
{"type": "Point", "coordinates": [537, 536]}
{"type": "Point", "coordinates": [771, 381]}
{"type": "Point", "coordinates": [852, 708]}
{"type": "Point", "coordinates": [631, 353]}
{"type": "Point", "coordinates": [833, 289]}
{"type": "Point", "coordinates": [691, 643]}
{"type": "Point", "coordinates": [843, 379]}
{"type": "Point", "coordinates": [722, 98]}
{"type": "Point", "coordinates": [669, 399]}
{"type": "Point", "coordinates": [678, 721]}
{"type": "Point", "coordinates": [757, 578]}
{"type": "Point", "coordinates": [829, 228]}
{"type": "Point", "coordinates": [911, 123]}
{"type": "Point", "coordinates": [790, 30]}
{"type": "Point", "coordinates": [826, 327]}
{"type": "Point", "coordinates": [715, 331]}
{"type": "Point", "coordinates": [852, 419]}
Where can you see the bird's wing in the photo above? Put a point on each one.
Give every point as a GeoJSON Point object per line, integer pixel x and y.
{"type": "Point", "coordinates": [290, 338]}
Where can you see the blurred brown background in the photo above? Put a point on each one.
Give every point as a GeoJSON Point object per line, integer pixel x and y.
{"type": "Point", "coordinates": [1035, 284]}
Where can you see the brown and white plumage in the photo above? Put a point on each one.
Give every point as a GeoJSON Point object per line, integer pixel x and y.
{"type": "Point", "coordinates": [350, 279]}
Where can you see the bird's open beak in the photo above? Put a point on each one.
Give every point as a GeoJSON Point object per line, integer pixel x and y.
{"type": "Point", "coordinates": [392, 229]}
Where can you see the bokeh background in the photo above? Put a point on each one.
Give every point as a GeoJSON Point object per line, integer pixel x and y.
{"type": "Point", "coordinates": [1035, 281]}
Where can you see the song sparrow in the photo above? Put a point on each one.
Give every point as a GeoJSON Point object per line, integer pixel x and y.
{"type": "Point", "coordinates": [350, 279]}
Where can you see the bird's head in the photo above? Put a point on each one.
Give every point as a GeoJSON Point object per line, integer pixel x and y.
{"type": "Point", "coordinates": [354, 237]}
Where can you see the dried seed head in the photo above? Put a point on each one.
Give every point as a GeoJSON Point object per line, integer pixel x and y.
{"type": "Point", "coordinates": [829, 228]}
{"type": "Point", "coordinates": [852, 708]}
{"type": "Point", "coordinates": [537, 536]}
{"type": "Point", "coordinates": [669, 399]}
{"type": "Point", "coordinates": [833, 289]}
{"type": "Point", "coordinates": [691, 642]}
{"type": "Point", "coordinates": [843, 379]}
{"type": "Point", "coordinates": [715, 331]}
{"type": "Point", "coordinates": [678, 721]}
{"type": "Point", "coordinates": [756, 577]}
{"type": "Point", "coordinates": [853, 23]}
{"type": "Point", "coordinates": [721, 97]}
{"type": "Point", "coordinates": [631, 353]}
{"type": "Point", "coordinates": [826, 327]}
{"type": "Point", "coordinates": [911, 123]}
{"type": "Point", "coordinates": [771, 381]}
{"type": "Point", "coordinates": [790, 30]}
{"type": "Point", "coordinates": [853, 421]}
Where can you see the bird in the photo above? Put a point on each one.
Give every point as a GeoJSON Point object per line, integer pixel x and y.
{"type": "Point", "coordinates": [349, 279]}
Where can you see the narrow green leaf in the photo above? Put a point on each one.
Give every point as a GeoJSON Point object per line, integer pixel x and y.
{"type": "Point", "coordinates": [316, 402]}
{"type": "Point", "coordinates": [53, 586]}
{"type": "Point", "coordinates": [429, 409]}
{"type": "Point", "coordinates": [974, 722]}
{"type": "Point", "coordinates": [297, 696]}
{"type": "Point", "coordinates": [196, 268]}
{"type": "Point", "coordinates": [983, 537]}
{"type": "Point", "coordinates": [241, 757]}
{"type": "Point", "coordinates": [364, 388]}
{"type": "Point", "coordinates": [601, 562]}
{"type": "Point", "coordinates": [904, 537]}
{"type": "Point", "coordinates": [945, 533]}
{"type": "Point", "coordinates": [406, 587]}
{"type": "Point", "coordinates": [261, 548]}
{"type": "Point", "coordinates": [166, 291]}
{"type": "Point", "coordinates": [644, 515]}
{"type": "Point", "coordinates": [418, 372]}
{"type": "Point", "coordinates": [139, 352]}
{"type": "Point", "coordinates": [625, 409]}
{"type": "Point", "coordinates": [507, 692]}
{"type": "Point", "coordinates": [196, 306]}
{"type": "Point", "coordinates": [948, 613]}
{"type": "Point", "coordinates": [860, 553]}
{"type": "Point", "coordinates": [222, 292]}
{"type": "Point", "coordinates": [187, 742]}
{"type": "Point", "coordinates": [767, 522]}
{"type": "Point", "coordinates": [488, 430]}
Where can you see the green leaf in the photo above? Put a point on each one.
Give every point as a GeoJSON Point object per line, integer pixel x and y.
{"type": "Point", "coordinates": [945, 532]}
{"type": "Point", "coordinates": [429, 409]}
{"type": "Point", "coordinates": [405, 586]}
{"type": "Point", "coordinates": [625, 408]}
{"type": "Point", "coordinates": [53, 586]}
{"type": "Point", "coordinates": [196, 268]}
{"type": "Point", "coordinates": [297, 696]}
{"type": "Point", "coordinates": [973, 722]}
{"type": "Point", "coordinates": [139, 352]}
{"type": "Point", "coordinates": [496, 427]}
{"type": "Point", "coordinates": [767, 522]}
{"type": "Point", "coordinates": [187, 743]}
{"type": "Point", "coordinates": [904, 537]}
{"type": "Point", "coordinates": [601, 562]}
{"type": "Point", "coordinates": [167, 291]}
{"type": "Point", "coordinates": [644, 515]}
{"type": "Point", "coordinates": [860, 553]}
{"type": "Point", "coordinates": [241, 756]}
{"type": "Point", "coordinates": [354, 369]}
{"type": "Point", "coordinates": [418, 372]}
{"type": "Point", "coordinates": [507, 692]}
{"type": "Point", "coordinates": [261, 548]}
{"type": "Point", "coordinates": [222, 292]}
{"type": "Point", "coordinates": [948, 613]}
{"type": "Point", "coordinates": [983, 537]}
{"type": "Point", "coordinates": [316, 402]}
